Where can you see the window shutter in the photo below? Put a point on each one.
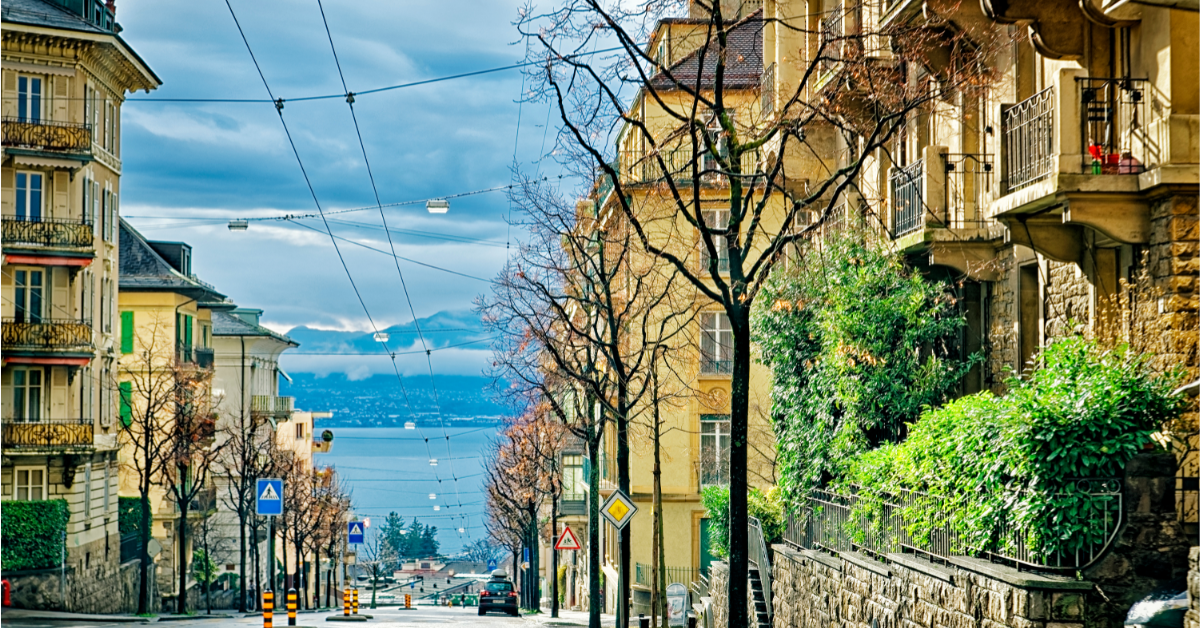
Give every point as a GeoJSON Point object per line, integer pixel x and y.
{"type": "Point", "coordinates": [187, 331]}
{"type": "Point", "coordinates": [126, 332]}
{"type": "Point", "coordinates": [126, 403]}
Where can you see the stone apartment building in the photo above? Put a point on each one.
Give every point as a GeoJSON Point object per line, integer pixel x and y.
{"type": "Point", "coordinates": [66, 73]}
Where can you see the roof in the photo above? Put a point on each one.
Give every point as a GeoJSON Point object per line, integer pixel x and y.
{"type": "Point", "coordinates": [144, 270]}
{"type": "Point", "coordinates": [743, 60]}
{"type": "Point", "coordinates": [39, 13]}
{"type": "Point", "coordinates": [230, 324]}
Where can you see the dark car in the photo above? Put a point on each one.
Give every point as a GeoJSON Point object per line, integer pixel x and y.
{"type": "Point", "coordinates": [498, 594]}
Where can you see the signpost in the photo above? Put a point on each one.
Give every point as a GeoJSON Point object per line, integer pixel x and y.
{"type": "Point", "coordinates": [354, 532]}
{"type": "Point", "coordinates": [567, 540]}
{"type": "Point", "coordinates": [619, 509]}
{"type": "Point", "coordinates": [268, 502]}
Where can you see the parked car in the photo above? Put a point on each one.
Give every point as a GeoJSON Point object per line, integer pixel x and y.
{"type": "Point", "coordinates": [498, 594]}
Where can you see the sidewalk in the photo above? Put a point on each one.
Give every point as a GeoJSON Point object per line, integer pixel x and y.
{"type": "Point", "coordinates": [23, 613]}
{"type": "Point", "coordinates": [568, 618]}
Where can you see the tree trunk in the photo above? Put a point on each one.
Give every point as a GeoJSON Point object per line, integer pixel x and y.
{"type": "Point", "coordinates": [181, 601]}
{"type": "Point", "coordinates": [626, 532]}
{"type": "Point", "coordinates": [738, 433]}
{"type": "Point", "coordinates": [658, 568]}
{"type": "Point", "coordinates": [553, 559]}
{"type": "Point", "coordinates": [595, 601]}
{"type": "Point", "coordinates": [144, 551]}
{"type": "Point", "coordinates": [207, 575]}
{"type": "Point", "coordinates": [242, 560]}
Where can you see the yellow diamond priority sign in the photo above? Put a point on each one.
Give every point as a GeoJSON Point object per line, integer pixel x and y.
{"type": "Point", "coordinates": [619, 509]}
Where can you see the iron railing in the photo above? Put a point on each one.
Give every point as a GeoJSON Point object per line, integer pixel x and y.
{"type": "Point", "coordinates": [1028, 140]}
{"type": "Point", "coordinates": [48, 232]}
{"type": "Point", "coordinates": [66, 137]}
{"type": "Point", "coordinates": [643, 574]}
{"type": "Point", "coordinates": [767, 89]}
{"type": "Point", "coordinates": [46, 334]}
{"type": "Point", "coordinates": [968, 178]}
{"type": "Point", "coordinates": [48, 433]}
{"type": "Point", "coordinates": [280, 407]}
{"type": "Point", "coordinates": [831, 522]}
{"type": "Point", "coordinates": [709, 366]}
{"type": "Point", "coordinates": [757, 554]}
{"type": "Point", "coordinates": [204, 357]}
{"type": "Point", "coordinates": [1114, 125]}
{"type": "Point", "coordinates": [908, 203]}
{"type": "Point", "coordinates": [832, 35]}
{"type": "Point", "coordinates": [679, 166]}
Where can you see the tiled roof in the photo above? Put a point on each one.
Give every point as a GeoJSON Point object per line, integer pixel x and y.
{"type": "Point", "coordinates": [38, 13]}
{"type": "Point", "coordinates": [743, 60]}
{"type": "Point", "coordinates": [229, 324]}
{"type": "Point", "coordinates": [143, 269]}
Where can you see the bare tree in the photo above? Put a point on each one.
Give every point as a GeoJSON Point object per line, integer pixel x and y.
{"type": "Point", "coordinates": [720, 197]}
{"type": "Point", "coordinates": [247, 451]}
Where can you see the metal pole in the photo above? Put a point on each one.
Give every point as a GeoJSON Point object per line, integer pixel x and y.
{"type": "Point", "coordinates": [62, 572]}
{"type": "Point", "coordinates": [271, 558]}
{"type": "Point", "coordinates": [621, 623]}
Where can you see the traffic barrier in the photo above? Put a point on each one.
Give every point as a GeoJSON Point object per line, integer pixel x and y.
{"type": "Point", "coordinates": [354, 600]}
{"type": "Point", "coordinates": [346, 602]}
{"type": "Point", "coordinates": [407, 601]}
{"type": "Point", "coordinates": [291, 606]}
{"type": "Point", "coordinates": [268, 609]}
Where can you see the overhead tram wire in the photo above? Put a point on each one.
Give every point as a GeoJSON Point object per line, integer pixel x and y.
{"type": "Point", "coordinates": [317, 202]}
{"type": "Point", "coordinates": [392, 245]}
{"type": "Point", "coordinates": [371, 248]}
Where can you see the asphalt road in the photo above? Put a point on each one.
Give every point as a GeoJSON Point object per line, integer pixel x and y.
{"type": "Point", "coordinates": [383, 618]}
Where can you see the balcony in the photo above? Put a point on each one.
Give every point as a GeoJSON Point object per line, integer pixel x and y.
{"type": "Point", "coordinates": [45, 334]}
{"type": "Point", "coordinates": [273, 407]}
{"type": "Point", "coordinates": [679, 165]}
{"type": "Point", "coordinates": [710, 366]}
{"type": "Point", "coordinates": [42, 136]}
{"type": "Point", "coordinates": [48, 233]}
{"type": "Point", "coordinates": [204, 357]}
{"type": "Point", "coordinates": [908, 199]}
{"type": "Point", "coordinates": [53, 434]}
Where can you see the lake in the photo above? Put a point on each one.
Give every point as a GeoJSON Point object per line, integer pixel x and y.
{"type": "Point", "coordinates": [388, 469]}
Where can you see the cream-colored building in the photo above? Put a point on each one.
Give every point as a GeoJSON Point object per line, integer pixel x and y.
{"type": "Point", "coordinates": [66, 73]}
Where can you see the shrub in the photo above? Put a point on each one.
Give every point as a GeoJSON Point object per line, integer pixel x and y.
{"type": "Point", "coordinates": [33, 534]}
{"type": "Point", "coordinates": [129, 515]}
{"type": "Point", "coordinates": [986, 461]}
{"type": "Point", "coordinates": [766, 506]}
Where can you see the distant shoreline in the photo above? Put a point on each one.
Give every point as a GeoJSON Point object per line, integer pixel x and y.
{"type": "Point", "coordinates": [423, 422]}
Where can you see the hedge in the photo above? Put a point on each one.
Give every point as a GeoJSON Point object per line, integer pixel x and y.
{"type": "Point", "coordinates": [129, 515]}
{"type": "Point", "coordinates": [33, 534]}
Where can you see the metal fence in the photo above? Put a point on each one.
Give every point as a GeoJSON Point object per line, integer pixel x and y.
{"type": "Point", "coordinates": [45, 433]}
{"type": "Point", "coordinates": [758, 555]}
{"type": "Point", "coordinates": [968, 179]}
{"type": "Point", "coordinates": [1028, 140]}
{"type": "Point", "coordinates": [832, 28]}
{"type": "Point", "coordinates": [833, 522]}
{"type": "Point", "coordinates": [1114, 125]}
{"type": "Point", "coordinates": [677, 164]}
{"type": "Point", "coordinates": [47, 333]}
{"type": "Point", "coordinates": [66, 137]}
{"type": "Point", "coordinates": [908, 204]}
{"type": "Point", "coordinates": [643, 574]}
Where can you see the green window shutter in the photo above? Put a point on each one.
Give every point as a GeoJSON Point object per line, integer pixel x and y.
{"type": "Point", "coordinates": [126, 403]}
{"type": "Point", "coordinates": [126, 332]}
{"type": "Point", "coordinates": [187, 331]}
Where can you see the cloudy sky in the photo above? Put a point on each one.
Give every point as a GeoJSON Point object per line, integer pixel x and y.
{"type": "Point", "coordinates": [190, 167]}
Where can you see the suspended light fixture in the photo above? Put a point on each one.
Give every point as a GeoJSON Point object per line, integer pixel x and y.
{"type": "Point", "coordinates": [239, 225]}
{"type": "Point", "coordinates": [437, 507]}
{"type": "Point", "coordinates": [433, 496]}
{"type": "Point", "coordinates": [381, 336]}
{"type": "Point", "coordinates": [462, 530]}
{"type": "Point", "coordinates": [409, 425]}
{"type": "Point", "coordinates": [437, 206]}
{"type": "Point", "coordinates": [433, 462]}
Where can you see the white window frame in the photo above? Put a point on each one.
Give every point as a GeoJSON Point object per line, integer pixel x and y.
{"type": "Point", "coordinates": [21, 411]}
{"type": "Point", "coordinates": [26, 195]}
{"type": "Point", "coordinates": [719, 218]}
{"type": "Point", "coordinates": [28, 485]}
{"type": "Point", "coordinates": [22, 295]}
{"type": "Point", "coordinates": [714, 449]}
{"type": "Point", "coordinates": [39, 115]}
{"type": "Point", "coordinates": [716, 343]}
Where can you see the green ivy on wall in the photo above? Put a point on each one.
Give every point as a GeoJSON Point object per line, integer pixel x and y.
{"type": "Point", "coordinates": [129, 515]}
{"type": "Point", "coordinates": [33, 534]}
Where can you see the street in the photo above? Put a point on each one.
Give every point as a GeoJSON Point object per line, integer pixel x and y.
{"type": "Point", "coordinates": [382, 617]}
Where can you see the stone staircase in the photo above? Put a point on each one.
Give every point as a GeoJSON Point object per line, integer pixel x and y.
{"type": "Point", "coordinates": [762, 618]}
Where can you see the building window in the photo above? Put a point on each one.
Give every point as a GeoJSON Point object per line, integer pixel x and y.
{"type": "Point", "coordinates": [31, 483]}
{"type": "Point", "coordinates": [29, 295]}
{"type": "Point", "coordinates": [716, 343]}
{"type": "Point", "coordinates": [716, 219]}
{"type": "Point", "coordinates": [714, 449]}
{"type": "Point", "coordinates": [87, 490]}
{"type": "Point", "coordinates": [30, 188]}
{"type": "Point", "coordinates": [572, 478]}
{"type": "Point", "coordinates": [27, 393]}
{"type": "Point", "coordinates": [299, 431]}
{"type": "Point", "coordinates": [29, 98]}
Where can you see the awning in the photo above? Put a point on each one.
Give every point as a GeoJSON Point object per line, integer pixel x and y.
{"type": "Point", "coordinates": [47, 361]}
{"type": "Point", "coordinates": [46, 260]}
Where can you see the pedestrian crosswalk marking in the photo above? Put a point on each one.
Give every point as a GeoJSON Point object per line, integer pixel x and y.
{"type": "Point", "coordinates": [269, 494]}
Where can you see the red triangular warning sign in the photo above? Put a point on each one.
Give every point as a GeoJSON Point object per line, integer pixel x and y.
{"type": "Point", "coordinates": [567, 540]}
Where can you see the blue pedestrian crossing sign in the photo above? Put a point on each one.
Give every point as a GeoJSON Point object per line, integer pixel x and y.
{"type": "Point", "coordinates": [268, 497]}
{"type": "Point", "coordinates": [354, 532]}
{"type": "Point", "coordinates": [491, 564]}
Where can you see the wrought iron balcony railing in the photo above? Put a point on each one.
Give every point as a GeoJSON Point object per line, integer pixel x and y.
{"type": "Point", "coordinates": [679, 165]}
{"type": "Point", "coordinates": [1115, 125]}
{"type": "Point", "coordinates": [968, 178]}
{"type": "Point", "coordinates": [47, 334]}
{"type": "Point", "coordinates": [710, 366]}
{"type": "Point", "coordinates": [832, 39]}
{"type": "Point", "coordinates": [204, 357]}
{"type": "Point", "coordinates": [48, 233]}
{"type": "Point", "coordinates": [1028, 140]}
{"type": "Point", "coordinates": [48, 433]}
{"type": "Point", "coordinates": [908, 203]}
{"type": "Point", "coordinates": [63, 137]}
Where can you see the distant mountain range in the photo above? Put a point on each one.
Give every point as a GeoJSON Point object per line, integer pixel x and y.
{"type": "Point", "coordinates": [382, 400]}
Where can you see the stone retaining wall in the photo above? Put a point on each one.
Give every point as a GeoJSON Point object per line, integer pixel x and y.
{"type": "Point", "coordinates": [114, 591]}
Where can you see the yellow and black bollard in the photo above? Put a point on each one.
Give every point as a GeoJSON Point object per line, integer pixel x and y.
{"type": "Point", "coordinates": [354, 600]}
{"type": "Point", "coordinates": [291, 607]}
{"type": "Point", "coordinates": [407, 601]}
{"type": "Point", "coordinates": [268, 608]}
{"type": "Point", "coordinates": [346, 602]}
